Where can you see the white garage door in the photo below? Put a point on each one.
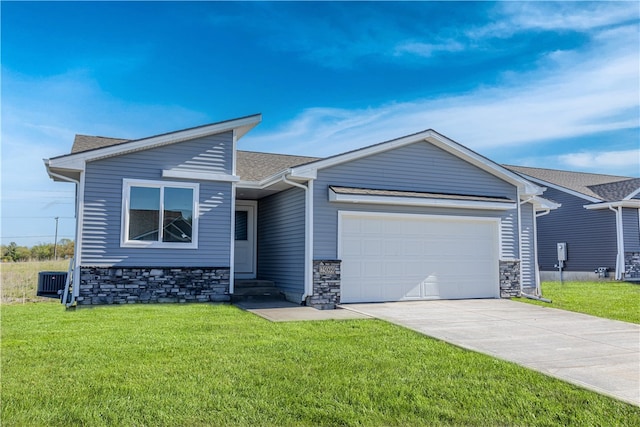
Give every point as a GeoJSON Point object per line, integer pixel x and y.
{"type": "Point", "coordinates": [408, 257]}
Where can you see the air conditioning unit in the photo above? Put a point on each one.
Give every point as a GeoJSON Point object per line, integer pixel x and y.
{"type": "Point", "coordinates": [50, 282]}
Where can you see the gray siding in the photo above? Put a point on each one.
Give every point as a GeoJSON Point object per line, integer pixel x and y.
{"type": "Point", "coordinates": [590, 234]}
{"type": "Point", "coordinates": [416, 167]}
{"type": "Point", "coordinates": [631, 229]}
{"type": "Point", "coordinates": [527, 256]}
{"type": "Point", "coordinates": [101, 228]}
{"type": "Point", "coordinates": [281, 240]}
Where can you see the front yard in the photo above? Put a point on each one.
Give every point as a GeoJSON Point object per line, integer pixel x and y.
{"type": "Point", "coordinates": [611, 300]}
{"type": "Point", "coordinates": [217, 365]}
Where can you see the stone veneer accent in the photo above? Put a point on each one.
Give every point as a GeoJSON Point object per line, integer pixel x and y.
{"type": "Point", "coordinates": [632, 265]}
{"type": "Point", "coordinates": [326, 285]}
{"type": "Point", "coordinates": [509, 279]}
{"type": "Point", "coordinates": [112, 285]}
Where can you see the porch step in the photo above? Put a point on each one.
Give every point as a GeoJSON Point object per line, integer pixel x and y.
{"type": "Point", "coordinates": [256, 290]}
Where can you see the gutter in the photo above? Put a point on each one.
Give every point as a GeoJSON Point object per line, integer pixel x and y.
{"type": "Point", "coordinates": [308, 234]}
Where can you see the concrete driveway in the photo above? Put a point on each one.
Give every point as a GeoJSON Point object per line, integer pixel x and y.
{"type": "Point", "coordinates": [598, 354]}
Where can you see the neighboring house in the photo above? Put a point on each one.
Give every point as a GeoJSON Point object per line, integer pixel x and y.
{"type": "Point", "coordinates": [599, 221]}
{"type": "Point", "coordinates": [184, 216]}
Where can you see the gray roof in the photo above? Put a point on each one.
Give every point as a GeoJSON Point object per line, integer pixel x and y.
{"type": "Point", "coordinates": [607, 188]}
{"type": "Point", "coordinates": [254, 166]}
{"type": "Point", "coordinates": [85, 143]}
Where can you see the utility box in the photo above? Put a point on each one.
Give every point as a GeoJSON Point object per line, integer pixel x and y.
{"type": "Point", "coordinates": [602, 272]}
{"type": "Point", "coordinates": [562, 251]}
{"type": "Point", "coordinates": [50, 282]}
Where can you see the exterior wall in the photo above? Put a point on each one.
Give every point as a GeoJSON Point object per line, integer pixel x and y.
{"type": "Point", "coordinates": [152, 285]}
{"type": "Point", "coordinates": [631, 229]}
{"type": "Point", "coordinates": [326, 285]}
{"type": "Point", "coordinates": [417, 167]}
{"type": "Point", "coordinates": [590, 235]}
{"type": "Point", "coordinates": [102, 204]}
{"type": "Point", "coordinates": [281, 241]}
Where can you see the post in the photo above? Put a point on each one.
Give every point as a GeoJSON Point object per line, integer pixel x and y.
{"type": "Point", "coordinates": [55, 242]}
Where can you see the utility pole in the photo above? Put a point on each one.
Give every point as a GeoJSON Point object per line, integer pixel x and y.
{"type": "Point", "coordinates": [55, 242]}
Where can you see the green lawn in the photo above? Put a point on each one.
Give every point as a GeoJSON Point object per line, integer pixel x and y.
{"type": "Point", "coordinates": [206, 364]}
{"type": "Point", "coordinates": [612, 300]}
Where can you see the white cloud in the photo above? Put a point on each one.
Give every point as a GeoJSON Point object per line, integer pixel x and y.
{"type": "Point", "coordinates": [612, 160]}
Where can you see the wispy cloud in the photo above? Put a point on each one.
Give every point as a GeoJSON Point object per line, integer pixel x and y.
{"type": "Point", "coordinates": [595, 91]}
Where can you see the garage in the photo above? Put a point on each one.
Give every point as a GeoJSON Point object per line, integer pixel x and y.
{"type": "Point", "coordinates": [396, 257]}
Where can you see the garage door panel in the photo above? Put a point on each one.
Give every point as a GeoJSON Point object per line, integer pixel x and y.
{"type": "Point", "coordinates": [418, 257]}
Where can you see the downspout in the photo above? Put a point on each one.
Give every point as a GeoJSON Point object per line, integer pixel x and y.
{"type": "Point", "coordinates": [520, 234]}
{"type": "Point", "coordinates": [308, 234]}
{"type": "Point", "coordinates": [620, 242]}
{"type": "Point", "coordinates": [78, 243]}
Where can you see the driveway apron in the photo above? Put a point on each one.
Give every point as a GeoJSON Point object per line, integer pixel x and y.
{"type": "Point", "coordinates": [599, 354]}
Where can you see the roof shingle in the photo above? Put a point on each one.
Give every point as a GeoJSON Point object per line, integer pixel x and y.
{"type": "Point", "coordinates": [602, 187]}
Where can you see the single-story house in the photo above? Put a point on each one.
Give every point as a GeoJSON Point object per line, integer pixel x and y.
{"type": "Point", "coordinates": [184, 216]}
{"type": "Point", "coordinates": [599, 221]}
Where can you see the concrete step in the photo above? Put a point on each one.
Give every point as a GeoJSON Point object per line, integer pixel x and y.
{"type": "Point", "coordinates": [256, 291]}
{"type": "Point", "coordinates": [252, 283]}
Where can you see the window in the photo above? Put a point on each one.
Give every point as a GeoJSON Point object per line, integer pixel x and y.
{"type": "Point", "coordinates": [159, 214]}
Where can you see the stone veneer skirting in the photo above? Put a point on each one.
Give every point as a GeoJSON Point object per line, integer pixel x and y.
{"type": "Point", "coordinates": [326, 285]}
{"type": "Point", "coordinates": [113, 285]}
{"type": "Point", "coordinates": [509, 279]}
{"type": "Point", "coordinates": [632, 265]}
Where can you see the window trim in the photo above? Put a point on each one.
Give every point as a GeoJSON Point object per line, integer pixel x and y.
{"type": "Point", "coordinates": [127, 183]}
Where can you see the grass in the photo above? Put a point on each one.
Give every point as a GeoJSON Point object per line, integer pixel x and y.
{"type": "Point", "coordinates": [205, 364]}
{"type": "Point", "coordinates": [19, 280]}
{"type": "Point", "coordinates": [611, 300]}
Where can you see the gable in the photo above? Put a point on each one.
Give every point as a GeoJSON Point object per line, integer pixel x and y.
{"type": "Point", "coordinates": [430, 137]}
{"type": "Point", "coordinates": [420, 167]}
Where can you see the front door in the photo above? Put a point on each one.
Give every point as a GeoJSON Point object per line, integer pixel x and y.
{"type": "Point", "coordinates": [245, 239]}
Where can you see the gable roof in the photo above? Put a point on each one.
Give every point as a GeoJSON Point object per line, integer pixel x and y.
{"type": "Point", "coordinates": [93, 148]}
{"type": "Point", "coordinates": [434, 138]}
{"type": "Point", "coordinates": [591, 186]}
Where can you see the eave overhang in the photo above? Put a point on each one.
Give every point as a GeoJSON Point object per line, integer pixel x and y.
{"type": "Point", "coordinates": [77, 161]}
{"type": "Point", "coordinates": [634, 203]}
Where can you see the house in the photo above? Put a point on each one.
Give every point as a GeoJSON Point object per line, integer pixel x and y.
{"type": "Point", "coordinates": [185, 216]}
{"type": "Point", "coordinates": [599, 221]}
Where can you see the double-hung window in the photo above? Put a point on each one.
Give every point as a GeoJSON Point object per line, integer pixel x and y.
{"type": "Point", "coordinates": [159, 214]}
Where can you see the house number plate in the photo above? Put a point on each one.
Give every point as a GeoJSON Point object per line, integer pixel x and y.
{"type": "Point", "coordinates": [327, 269]}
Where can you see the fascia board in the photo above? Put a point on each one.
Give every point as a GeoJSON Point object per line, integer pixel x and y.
{"type": "Point", "coordinates": [245, 124]}
{"type": "Point", "coordinates": [526, 187]}
{"type": "Point", "coordinates": [621, 204]}
{"type": "Point", "coordinates": [413, 201]}
{"type": "Point", "coordinates": [312, 168]}
{"type": "Point", "coordinates": [563, 189]}
{"type": "Point", "coordinates": [632, 195]}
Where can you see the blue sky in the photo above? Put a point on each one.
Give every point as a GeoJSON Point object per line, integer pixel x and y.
{"type": "Point", "coordinates": [540, 84]}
